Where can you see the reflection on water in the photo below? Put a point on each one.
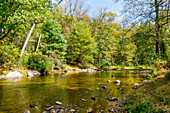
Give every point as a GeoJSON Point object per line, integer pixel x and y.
{"type": "Point", "coordinates": [17, 94]}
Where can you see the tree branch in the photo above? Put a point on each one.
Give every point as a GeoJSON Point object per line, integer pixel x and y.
{"type": "Point", "coordinates": [60, 2]}
{"type": "Point", "coordinates": [6, 34]}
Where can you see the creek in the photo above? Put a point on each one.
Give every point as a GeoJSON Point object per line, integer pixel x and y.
{"type": "Point", "coordinates": [16, 94]}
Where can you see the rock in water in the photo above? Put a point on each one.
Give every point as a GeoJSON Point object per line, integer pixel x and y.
{"type": "Point", "coordinates": [90, 110]}
{"type": "Point", "coordinates": [14, 74]}
{"type": "Point", "coordinates": [84, 100]}
{"type": "Point", "coordinates": [33, 105]}
{"type": "Point", "coordinates": [117, 82]}
{"type": "Point", "coordinates": [104, 87]}
{"type": "Point", "coordinates": [93, 98]}
{"type": "Point", "coordinates": [49, 108]}
{"type": "Point", "coordinates": [29, 74]}
{"type": "Point", "coordinates": [109, 81]}
{"type": "Point", "coordinates": [58, 103]}
{"type": "Point", "coordinates": [112, 99]}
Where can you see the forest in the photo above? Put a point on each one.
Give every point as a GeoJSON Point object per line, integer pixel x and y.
{"type": "Point", "coordinates": [42, 35]}
{"type": "Point", "coordinates": [58, 38]}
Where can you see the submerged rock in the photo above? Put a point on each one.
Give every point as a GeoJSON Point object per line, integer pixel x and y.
{"type": "Point", "coordinates": [93, 98]}
{"type": "Point", "coordinates": [58, 103]}
{"type": "Point", "coordinates": [14, 74]}
{"type": "Point", "coordinates": [104, 87]}
{"type": "Point", "coordinates": [33, 105]}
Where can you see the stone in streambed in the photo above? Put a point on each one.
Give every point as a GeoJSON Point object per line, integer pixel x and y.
{"type": "Point", "coordinates": [90, 110]}
{"type": "Point", "coordinates": [104, 87]}
{"type": "Point", "coordinates": [117, 82]}
{"type": "Point", "coordinates": [33, 105]}
{"type": "Point", "coordinates": [93, 98]}
{"type": "Point", "coordinates": [49, 108]}
{"type": "Point", "coordinates": [58, 103]}
{"type": "Point", "coordinates": [108, 81]}
{"type": "Point", "coordinates": [112, 99]}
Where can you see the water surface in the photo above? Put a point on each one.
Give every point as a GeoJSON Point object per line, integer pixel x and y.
{"type": "Point", "coordinates": [16, 94]}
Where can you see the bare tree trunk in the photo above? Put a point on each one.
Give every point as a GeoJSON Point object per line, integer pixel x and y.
{"type": "Point", "coordinates": [36, 38]}
{"type": "Point", "coordinates": [25, 44]}
{"type": "Point", "coordinates": [38, 44]}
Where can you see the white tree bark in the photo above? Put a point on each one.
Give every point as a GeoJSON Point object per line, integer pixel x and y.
{"type": "Point", "coordinates": [38, 44]}
{"type": "Point", "coordinates": [25, 44]}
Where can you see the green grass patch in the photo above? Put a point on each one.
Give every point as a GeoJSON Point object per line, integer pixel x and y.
{"type": "Point", "coordinates": [153, 96]}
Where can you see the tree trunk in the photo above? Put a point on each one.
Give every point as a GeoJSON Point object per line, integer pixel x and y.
{"type": "Point", "coordinates": [38, 44]}
{"type": "Point", "coordinates": [25, 44]}
{"type": "Point", "coordinates": [158, 45]}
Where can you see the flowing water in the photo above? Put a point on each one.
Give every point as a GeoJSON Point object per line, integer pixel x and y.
{"type": "Point", "coordinates": [16, 94]}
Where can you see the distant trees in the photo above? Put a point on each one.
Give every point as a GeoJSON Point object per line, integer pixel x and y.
{"type": "Point", "coordinates": [68, 33]}
{"type": "Point", "coordinates": [150, 9]}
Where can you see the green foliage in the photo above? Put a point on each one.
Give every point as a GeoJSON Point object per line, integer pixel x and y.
{"type": "Point", "coordinates": [167, 76]}
{"type": "Point", "coordinates": [80, 44]}
{"type": "Point", "coordinates": [9, 57]}
{"type": "Point", "coordinates": [148, 76]}
{"type": "Point", "coordinates": [37, 61]}
{"type": "Point", "coordinates": [55, 42]}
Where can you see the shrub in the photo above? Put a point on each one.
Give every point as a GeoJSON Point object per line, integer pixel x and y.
{"type": "Point", "coordinates": [9, 57]}
{"type": "Point", "coordinates": [37, 61]}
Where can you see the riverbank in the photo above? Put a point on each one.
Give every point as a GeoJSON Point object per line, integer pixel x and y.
{"type": "Point", "coordinates": [153, 96]}
{"type": "Point", "coordinates": [71, 68]}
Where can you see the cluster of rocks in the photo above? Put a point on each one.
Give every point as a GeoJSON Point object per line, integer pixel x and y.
{"type": "Point", "coordinates": [58, 109]}
{"type": "Point", "coordinates": [16, 74]}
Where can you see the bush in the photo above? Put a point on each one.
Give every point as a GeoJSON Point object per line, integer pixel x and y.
{"type": "Point", "coordinates": [9, 57]}
{"type": "Point", "coordinates": [37, 61]}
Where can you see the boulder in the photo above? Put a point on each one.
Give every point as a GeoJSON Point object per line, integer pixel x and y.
{"type": "Point", "coordinates": [14, 74]}
{"type": "Point", "coordinates": [1, 77]}
{"type": "Point", "coordinates": [31, 73]}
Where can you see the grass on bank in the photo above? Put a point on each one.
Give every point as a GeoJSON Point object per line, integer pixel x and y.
{"type": "Point", "coordinates": [153, 96]}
